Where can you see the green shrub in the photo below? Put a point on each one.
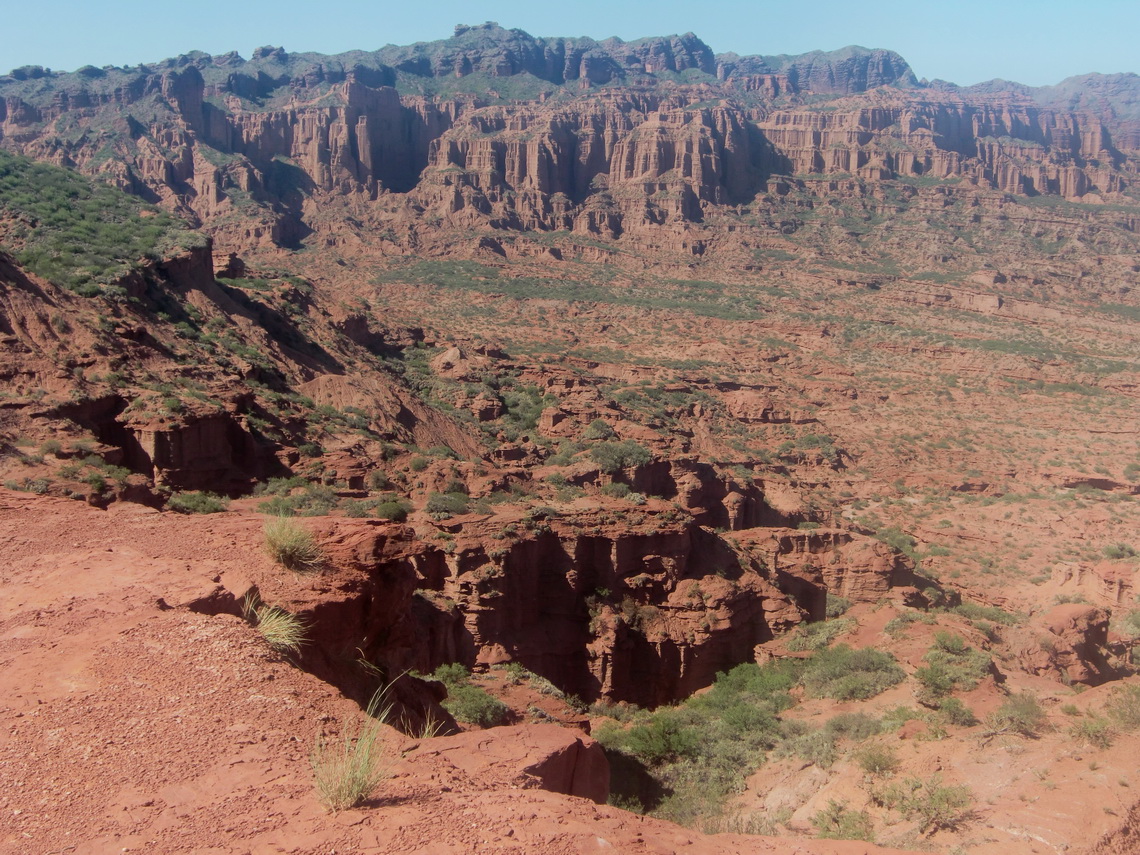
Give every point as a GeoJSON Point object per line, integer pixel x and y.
{"type": "Point", "coordinates": [383, 509]}
{"type": "Point", "coordinates": [197, 503]}
{"type": "Point", "coordinates": [468, 703]}
{"type": "Point", "coordinates": [818, 635]}
{"type": "Point", "coordinates": [1123, 706]}
{"type": "Point", "coordinates": [836, 606]}
{"type": "Point", "coordinates": [877, 760]}
{"type": "Point", "coordinates": [452, 674]}
{"type": "Point", "coordinates": [1117, 551]}
{"type": "Point", "coordinates": [446, 504]}
{"type": "Point", "coordinates": [472, 705]}
{"type": "Point", "coordinates": [950, 642]}
{"type": "Point", "coordinates": [837, 822]}
{"type": "Point", "coordinates": [292, 546]}
{"type": "Point", "coordinates": [666, 738]}
{"type": "Point", "coordinates": [846, 674]}
{"type": "Point", "coordinates": [953, 711]}
{"type": "Point", "coordinates": [418, 464]}
{"type": "Point", "coordinates": [934, 805]}
{"type": "Point", "coordinates": [616, 490]}
{"type": "Point", "coordinates": [854, 727]}
{"type": "Point", "coordinates": [314, 501]}
{"type": "Point", "coordinates": [951, 664]}
{"type": "Point", "coordinates": [51, 446]}
{"type": "Point", "coordinates": [1097, 732]}
{"type": "Point", "coordinates": [79, 233]}
{"type": "Point", "coordinates": [1021, 714]}
{"type": "Point", "coordinates": [973, 611]}
{"type": "Point", "coordinates": [896, 625]}
{"type": "Point", "coordinates": [612, 457]}
{"type": "Point", "coordinates": [598, 429]}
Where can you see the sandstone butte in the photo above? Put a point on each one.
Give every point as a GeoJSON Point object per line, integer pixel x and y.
{"type": "Point", "coordinates": [599, 369]}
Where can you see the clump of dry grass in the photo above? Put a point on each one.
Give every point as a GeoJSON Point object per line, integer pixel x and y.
{"type": "Point", "coordinates": [282, 630]}
{"type": "Point", "coordinates": [348, 770]}
{"type": "Point", "coordinates": [293, 546]}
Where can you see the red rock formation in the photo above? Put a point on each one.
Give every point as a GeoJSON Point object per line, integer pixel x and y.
{"type": "Point", "coordinates": [1068, 642]}
{"type": "Point", "coordinates": [606, 162]}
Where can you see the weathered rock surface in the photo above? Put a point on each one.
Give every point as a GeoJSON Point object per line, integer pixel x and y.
{"type": "Point", "coordinates": [1068, 641]}
{"type": "Point", "coordinates": [241, 145]}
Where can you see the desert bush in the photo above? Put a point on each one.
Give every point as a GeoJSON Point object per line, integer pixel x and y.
{"type": "Point", "coordinates": [896, 625]}
{"type": "Point", "coordinates": [949, 642]}
{"type": "Point", "coordinates": [348, 771]}
{"type": "Point", "coordinates": [837, 822]}
{"type": "Point", "coordinates": [951, 664]}
{"type": "Point", "coordinates": [854, 727]}
{"type": "Point", "coordinates": [313, 501]}
{"type": "Point", "coordinates": [446, 504]}
{"type": "Point", "coordinates": [933, 804]}
{"type": "Point", "coordinates": [293, 546]}
{"type": "Point", "coordinates": [846, 674]}
{"type": "Point", "coordinates": [1021, 714]}
{"type": "Point", "coordinates": [598, 429]}
{"type": "Point", "coordinates": [953, 711]}
{"type": "Point", "coordinates": [472, 705]}
{"type": "Point", "coordinates": [683, 762]}
{"type": "Point", "coordinates": [384, 509]}
{"type": "Point", "coordinates": [818, 635]}
{"type": "Point", "coordinates": [51, 446]}
{"type": "Point", "coordinates": [836, 606]}
{"type": "Point", "coordinates": [973, 611]}
{"type": "Point", "coordinates": [616, 490]}
{"type": "Point", "coordinates": [813, 745]}
{"type": "Point", "coordinates": [1097, 732]}
{"type": "Point", "coordinates": [877, 760]}
{"type": "Point", "coordinates": [197, 503]}
{"type": "Point", "coordinates": [1123, 706]}
{"type": "Point", "coordinates": [468, 703]}
{"type": "Point", "coordinates": [664, 739]}
{"type": "Point", "coordinates": [378, 480]}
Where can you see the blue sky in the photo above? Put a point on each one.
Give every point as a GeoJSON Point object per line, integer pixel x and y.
{"type": "Point", "coordinates": [967, 41]}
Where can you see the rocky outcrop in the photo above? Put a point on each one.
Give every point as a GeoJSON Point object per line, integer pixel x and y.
{"type": "Point", "coordinates": [810, 564]}
{"type": "Point", "coordinates": [241, 146]}
{"type": "Point", "coordinates": [544, 755]}
{"type": "Point", "coordinates": [1069, 643]}
{"type": "Point", "coordinates": [644, 608]}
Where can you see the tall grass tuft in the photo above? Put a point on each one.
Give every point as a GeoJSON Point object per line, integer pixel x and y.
{"type": "Point", "coordinates": [293, 546]}
{"type": "Point", "coordinates": [348, 770]}
{"type": "Point", "coordinates": [282, 630]}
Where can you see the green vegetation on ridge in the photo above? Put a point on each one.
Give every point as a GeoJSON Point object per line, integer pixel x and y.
{"type": "Point", "coordinates": [79, 233]}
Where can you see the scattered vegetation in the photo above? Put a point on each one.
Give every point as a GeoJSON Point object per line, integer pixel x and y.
{"type": "Point", "coordinates": [468, 703]}
{"type": "Point", "coordinates": [79, 233]}
{"type": "Point", "coordinates": [846, 674]}
{"type": "Point", "coordinates": [197, 503]}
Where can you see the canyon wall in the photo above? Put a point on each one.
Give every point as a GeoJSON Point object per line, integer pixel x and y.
{"type": "Point", "coordinates": [600, 137]}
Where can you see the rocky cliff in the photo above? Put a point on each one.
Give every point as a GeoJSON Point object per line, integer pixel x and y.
{"type": "Point", "coordinates": [495, 127]}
